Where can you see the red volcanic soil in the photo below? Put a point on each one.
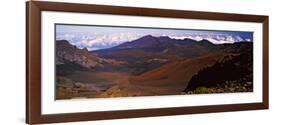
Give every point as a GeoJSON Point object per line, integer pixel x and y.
{"type": "Point", "coordinates": [173, 77]}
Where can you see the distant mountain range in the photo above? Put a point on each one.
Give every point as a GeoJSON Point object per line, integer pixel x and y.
{"type": "Point", "coordinates": [96, 41]}
{"type": "Point", "coordinates": [157, 46]}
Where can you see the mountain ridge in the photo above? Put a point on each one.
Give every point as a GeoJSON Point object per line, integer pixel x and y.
{"type": "Point", "coordinates": [164, 47]}
{"type": "Point", "coordinates": [65, 52]}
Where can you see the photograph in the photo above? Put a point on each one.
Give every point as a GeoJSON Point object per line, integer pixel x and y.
{"type": "Point", "coordinates": [94, 61]}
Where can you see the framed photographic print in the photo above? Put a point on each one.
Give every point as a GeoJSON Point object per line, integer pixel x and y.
{"type": "Point", "coordinates": [94, 62]}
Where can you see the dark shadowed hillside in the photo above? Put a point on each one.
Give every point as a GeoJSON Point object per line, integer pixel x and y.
{"type": "Point", "coordinates": [234, 69]}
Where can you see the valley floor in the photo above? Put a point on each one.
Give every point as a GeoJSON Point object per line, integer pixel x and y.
{"type": "Point", "coordinates": [86, 84]}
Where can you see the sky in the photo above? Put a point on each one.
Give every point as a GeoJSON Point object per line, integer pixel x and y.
{"type": "Point", "coordinates": [102, 37]}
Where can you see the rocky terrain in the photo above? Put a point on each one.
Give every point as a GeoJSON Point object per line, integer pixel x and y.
{"type": "Point", "coordinates": [66, 53]}
{"type": "Point", "coordinates": [232, 73]}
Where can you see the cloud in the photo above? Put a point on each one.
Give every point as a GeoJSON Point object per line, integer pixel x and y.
{"type": "Point", "coordinates": [95, 41]}
{"type": "Point", "coordinates": [214, 38]}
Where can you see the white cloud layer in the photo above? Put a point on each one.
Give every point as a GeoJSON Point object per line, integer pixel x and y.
{"type": "Point", "coordinates": [94, 41]}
